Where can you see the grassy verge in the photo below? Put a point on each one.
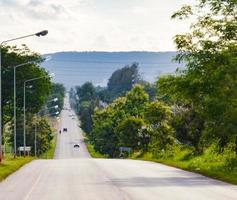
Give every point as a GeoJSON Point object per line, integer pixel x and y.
{"type": "Point", "coordinates": [93, 153]}
{"type": "Point", "coordinates": [211, 164]}
{"type": "Point", "coordinates": [50, 153]}
{"type": "Point", "coordinates": [91, 149]}
{"type": "Point", "coordinates": [206, 164]}
{"type": "Point", "coordinates": [10, 165]}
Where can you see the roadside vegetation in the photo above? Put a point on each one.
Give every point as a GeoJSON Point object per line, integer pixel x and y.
{"type": "Point", "coordinates": [187, 119]}
{"type": "Point", "coordinates": [91, 149]}
{"type": "Point", "coordinates": [42, 95]}
{"type": "Point", "coordinates": [10, 165]}
{"type": "Point", "coordinates": [93, 153]}
{"type": "Point", "coordinates": [49, 153]}
{"type": "Point", "coordinates": [210, 163]}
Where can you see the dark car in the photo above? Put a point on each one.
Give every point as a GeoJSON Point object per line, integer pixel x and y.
{"type": "Point", "coordinates": [76, 145]}
{"type": "Point", "coordinates": [64, 129]}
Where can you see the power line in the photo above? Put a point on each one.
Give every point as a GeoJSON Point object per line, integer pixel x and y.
{"type": "Point", "coordinates": [99, 71]}
{"type": "Point", "coordinates": [83, 70]}
{"type": "Point", "coordinates": [110, 62]}
{"type": "Point", "coordinates": [73, 75]}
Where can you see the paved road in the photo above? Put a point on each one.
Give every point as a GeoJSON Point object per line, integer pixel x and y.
{"type": "Point", "coordinates": [66, 140]}
{"type": "Point", "coordinates": [74, 175]}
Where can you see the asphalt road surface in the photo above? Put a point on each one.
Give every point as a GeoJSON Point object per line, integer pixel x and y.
{"type": "Point", "coordinates": [73, 135]}
{"type": "Point", "coordinates": [73, 175]}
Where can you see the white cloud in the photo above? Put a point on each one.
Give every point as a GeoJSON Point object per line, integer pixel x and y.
{"type": "Point", "coordinates": [92, 24]}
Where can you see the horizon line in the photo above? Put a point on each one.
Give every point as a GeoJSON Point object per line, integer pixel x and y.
{"type": "Point", "coordinates": [95, 51]}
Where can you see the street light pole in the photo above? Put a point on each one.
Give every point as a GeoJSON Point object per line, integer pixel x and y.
{"type": "Point", "coordinates": [41, 33]}
{"type": "Point", "coordinates": [1, 101]}
{"type": "Point", "coordinates": [15, 67]}
{"type": "Point", "coordinates": [24, 108]}
{"type": "Point", "coordinates": [35, 139]}
{"type": "Point", "coordinates": [55, 107]}
{"type": "Point", "coordinates": [14, 112]}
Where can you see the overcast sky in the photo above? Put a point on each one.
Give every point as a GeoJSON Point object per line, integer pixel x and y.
{"type": "Point", "coordinates": [93, 25]}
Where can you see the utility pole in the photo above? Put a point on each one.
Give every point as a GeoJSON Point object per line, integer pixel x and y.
{"type": "Point", "coordinates": [41, 33]}
{"type": "Point", "coordinates": [35, 139]}
{"type": "Point", "coordinates": [24, 107]}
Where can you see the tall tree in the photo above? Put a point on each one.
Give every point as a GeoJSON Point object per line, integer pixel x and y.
{"type": "Point", "coordinates": [36, 95]}
{"type": "Point", "coordinates": [87, 101]}
{"type": "Point", "coordinates": [86, 92]}
{"type": "Point", "coordinates": [120, 123]}
{"type": "Point", "coordinates": [207, 86]}
{"type": "Point", "coordinates": [36, 91]}
{"type": "Point", "coordinates": [122, 80]}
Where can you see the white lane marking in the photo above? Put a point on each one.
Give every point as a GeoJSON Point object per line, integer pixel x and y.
{"type": "Point", "coordinates": [33, 186]}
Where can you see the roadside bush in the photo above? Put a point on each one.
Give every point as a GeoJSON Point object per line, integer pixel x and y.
{"type": "Point", "coordinates": [229, 156]}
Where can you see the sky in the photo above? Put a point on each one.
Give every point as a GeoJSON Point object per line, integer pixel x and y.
{"type": "Point", "coordinates": [93, 25]}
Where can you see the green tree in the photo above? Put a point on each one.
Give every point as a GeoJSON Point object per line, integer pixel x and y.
{"type": "Point", "coordinates": [12, 56]}
{"type": "Point", "coordinates": [44, 135]}
{"type": "Point", "coordinates": [105, 140]}
{"type": "Point", "coordinates": [129, 132]}
{"type": "Point", "coordinates": [35, 95]}
{"type": "Point", "coordinates": [86, 111]}
{"type": "Point", "coordinates": [206, 89]}
{"type": "Point", "coordinates": [136, 101]}
{"type": "Point", "coordinates": [158, 116]}
{"type": "Point", "coordinates": [86, 103]}
{"type": "Point", "coordinates": [86, 92]}
{"type": "Point", "coordinates": [120, 123]}
{"type": "Point", "coordinates": [150, 89]}
{"type": "Point", "coordinates": [104, 123]}
{"type": "Point", "coordinates": [122, 80]}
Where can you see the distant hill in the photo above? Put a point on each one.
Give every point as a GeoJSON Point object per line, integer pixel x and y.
{"type": "Point", "coordinates": [75, 68]}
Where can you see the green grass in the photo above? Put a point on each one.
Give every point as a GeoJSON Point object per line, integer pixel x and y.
{"type": "Point", "coordinates": [10, 165]}
{"type": "Point", "coordinates": [50, 153]}
{"type": "Point", "coordinates": [91, 149]}
{"type": "Point", "coordinates": [211, 164]}
{"type": "Point", "coordinates": [93, 153]}
{"type": "Point", "coordinates": [208, 164]}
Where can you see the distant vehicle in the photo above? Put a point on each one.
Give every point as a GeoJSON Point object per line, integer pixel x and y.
{"type": "Point", "coordinates": [76, 145]}
{"type": "Point", "coordinates": [73, 118]}
{"type": "Point", "coordinates": [64, 129]}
